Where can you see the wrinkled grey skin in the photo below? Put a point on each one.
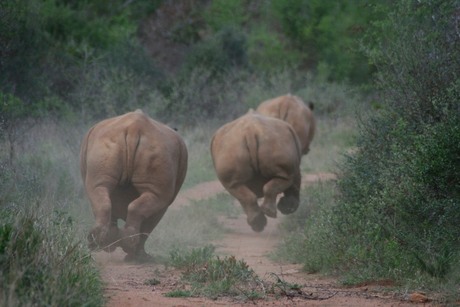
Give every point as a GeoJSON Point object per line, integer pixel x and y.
{"type": "Point", "coordinates": [132, 168]}
{"type": "Point", "coordinates": [257, 156]}
{"type": "Point", "coordinates": [293, 110]}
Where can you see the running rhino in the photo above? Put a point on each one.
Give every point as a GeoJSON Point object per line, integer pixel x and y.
{"type": "Point", "coordinates": [257, 156]}
{"type": "Point", "coordinates": [293, 110]}
{"type": "Point", "coordinates": [132, 168]}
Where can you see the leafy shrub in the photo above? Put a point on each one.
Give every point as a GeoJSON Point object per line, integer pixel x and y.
{"type": "Point", "coordinates": [223, 14]}
{"type": "Point", "coordinates": [213, 276]}
{"type": "Point", "coordinates": [308, 234]}
{"type": "Point", "coordinates": [267, 51]}
{"type": "Point", "coordinates": [42, 264]}
{"type": "Point", "coordinates": [397, 209]}
{"type": "Point", "coordinates": [327, 33]}
{"type": "Point", "coordinates": [196, 257]}
{"type": "Point", "coordinates": [399, 206]}
{"type": "Point", "coordinates": [223, 51]}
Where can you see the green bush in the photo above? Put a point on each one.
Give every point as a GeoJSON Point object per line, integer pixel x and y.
{"type": "Point", "coordinates": [308, 234]}
{"type": "Point", "coordinates": [213, 276]}
{"type": "Point", "coordinates": [327, 33]}
{"type": "Point", "coordinates": [223, 14]}
{"type": "Point", "coordinates": [42, 263]}
{"type": "Point", "coordinates": [399, 208]}
{"type": "Point", "coordinates": [267, 51]}
{"type": "Point", "coordinates": [221, 52]}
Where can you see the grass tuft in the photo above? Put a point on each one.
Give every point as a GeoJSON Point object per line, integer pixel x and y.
{"type": "Point", "coordinates": [213, 276]}
{"type": "Point", "coordinates": [42, 264]}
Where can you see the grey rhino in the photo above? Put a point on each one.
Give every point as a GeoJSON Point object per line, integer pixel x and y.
{"type": "Point", "coordinates": [132, 168]}
{"type": "Point", "coordinates": [257, 156]}
{"type": "Point", "coordinates": [293, 110]}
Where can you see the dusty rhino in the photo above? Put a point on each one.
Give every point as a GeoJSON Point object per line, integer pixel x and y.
{"type": "Point", "coordinates": [257, 156]}
{"type": "Point", "coordinates": [132, 168]}
{"type": "Point", "coordinates": [293, 110]}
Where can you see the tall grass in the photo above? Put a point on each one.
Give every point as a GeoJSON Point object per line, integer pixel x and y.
{"type": "Point", "coordinates": [43, 263]}
{"type": "Point", "coordinates": [44, 258]}
{"type": "Point", "coordinates": [212, 276]}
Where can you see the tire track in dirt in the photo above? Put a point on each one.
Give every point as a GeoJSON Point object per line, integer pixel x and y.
{"type": "Point", "coordinates": [125, 283]}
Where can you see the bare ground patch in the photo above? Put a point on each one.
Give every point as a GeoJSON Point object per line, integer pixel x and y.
{"type": "Point", "coordinates": [146, 284]}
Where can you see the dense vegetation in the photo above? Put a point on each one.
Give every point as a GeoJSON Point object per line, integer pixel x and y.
{"type": "Point", "coordinates": [196, 64]}
{"type": "Point", "coordinates": [397, 206]}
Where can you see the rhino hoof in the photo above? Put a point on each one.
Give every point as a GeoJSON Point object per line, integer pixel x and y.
{"type": "Point", "coordinates": [258, 223]}
{"type": "Point", "coordinates": [103, 237]}
{"type": "Point", "coordinates": [288, 204]}
{"type": "Point", "coordinates": [269, 211]}
{"type": "Point", "coordinates": [130, 240]}
{"type": "Point", "coordinates": [141, 257]}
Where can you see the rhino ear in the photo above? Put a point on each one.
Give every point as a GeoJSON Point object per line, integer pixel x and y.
{"type": "Point", "coordinates": [250, 111]}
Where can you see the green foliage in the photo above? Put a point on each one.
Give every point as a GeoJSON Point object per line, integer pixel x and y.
{"type": "Point", "coordinates": [22, 46]}
{"type": "Point", "coordinates": [220, 53]}
{"type": "Point", "coordinates": [411, 196]}
{"type": "Point", "coordinates": [196, 257]}
{"type": "Point", "coordinates": [42, 265]}
{"type": "Point", "coordinates": [178, 293]}
{"type": "Point", "coordinates": [327, 32]}
{"type": "Point", "coordinates": [11, 108]}
{"type": "Point", "coordinates": [58, 56]}
{"type": "Point", "coordinates": [308, 235]}
{"type": "Point", "coordinates": [82, 60]}
{"type": "Point", "coordinates": [418, 60]}
{"type": "Point", "coordinates": [222, 14]}
{"type": "Point", "coordinates": [267, 51]}
{"type": "Point", "coordinates": [398, 211]}
{"type": "Point", "coordinates": [214, 276]}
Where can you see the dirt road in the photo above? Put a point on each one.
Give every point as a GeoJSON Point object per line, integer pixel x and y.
{"type": "Point", "coordinates": [128, 284]}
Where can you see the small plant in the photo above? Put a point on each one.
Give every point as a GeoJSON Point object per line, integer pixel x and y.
{"type": "Point", "coordinates": [40, 263]}
{"type": "Point", "coordinates": [285, 287]}
{"type": "Point", "coordinates": [179, 293]}
{"type": "Point", "coordinates": [194, 258]}
{"type": "Point", "coordinates": [213, 276]}
{"type": "Point", "coordinates": [152, 282]}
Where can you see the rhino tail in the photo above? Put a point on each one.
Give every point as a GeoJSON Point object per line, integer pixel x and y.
{"type": "Point", "coordinates": [83, 151]}
{"type": "Point", "coordinates": [296, 140]}
{"type": "Point", "coordinates": [252, 143]}
{"type": "Point", "coordinates": [132, 141]}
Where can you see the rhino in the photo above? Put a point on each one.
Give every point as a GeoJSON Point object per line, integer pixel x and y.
{"type": "Point", "coordinates": [132, 168]}
{"type": "Point", "coordinates": [293, 110]}
{"type": "Point", "coordinates": [256, 156]}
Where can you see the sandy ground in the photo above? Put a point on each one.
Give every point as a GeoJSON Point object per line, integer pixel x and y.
{"type": "Point", "coordinates": [127, 284]}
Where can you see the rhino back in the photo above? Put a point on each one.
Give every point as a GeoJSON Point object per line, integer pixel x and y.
{"type": "Point", "coordinates": [134, 149]}
{"type": "Point", "coordinates": [254, 146]}
{"type": "Point", "coordinates": [294, 111]}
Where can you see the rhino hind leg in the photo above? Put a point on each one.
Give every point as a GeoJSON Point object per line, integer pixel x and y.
{"type": "Point", "coordinates": [135, 252]}
{"type": "Point", "coordinates": [288, 204]}
{"type": "Point", "coordinates": [129, 240]}
{"type": "Point", "coordinates": [271, 189]}
{"type": "Point", "coordinates": [248, 200]}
